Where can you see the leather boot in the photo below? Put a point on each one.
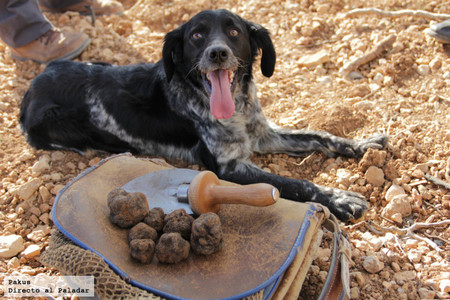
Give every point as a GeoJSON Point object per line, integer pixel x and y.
{"type": "Point", "coordinates": [99, 7]}
{"type": "Point", "coordinates": [54, 44]}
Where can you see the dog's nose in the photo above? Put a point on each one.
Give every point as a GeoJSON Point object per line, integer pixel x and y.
{"type": "Point", "coordinates": [218, 54]}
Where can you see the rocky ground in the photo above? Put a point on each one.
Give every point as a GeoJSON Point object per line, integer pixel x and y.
{"type": "Point", "coordinates": [403, 92]}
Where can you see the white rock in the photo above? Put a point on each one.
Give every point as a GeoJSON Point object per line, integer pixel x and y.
{"type": "Point", "coordinates": [397, 218]}
{"type": "Point", "coordinates": [372, 264]}
{"type": "Point", "coordinates": [423, 70]}
{"type": "Point", "coordinates": [411, 244]}
{"type": "Point", "coordinates": [375, 242]}
{"type": "Point", "coordinates": [10, 245]}
{"type": "Point", "coordinates": [27, 190]}
{"type": "Point", "coordinates": [38, 233]}
{"type": "Point", "coordinates": [13, 263]}
{"type": "Point", "coordinates": [446, 75]}
{"type": "Point", "coordinates": [325, 79]}
{"type": "Point", "coordinates": [355, 75]}
{"type": "Point", "coordinates": [444, 285]}
{"type": "Point", "coordinates": [399, 204]}
{"type": "Point", "coordinates": [314, 59]}
{"type": "Point", "coordinates": [323, 275]}
{"type": "Point", "coordinates": [378, 78]}
{"type": "Point", "coordinates": [343, 177]}
{"type": "Point", "coordinates": [40, 166]}
{"type": "Point", "coordinates": [31, 251]}
{"type": "Point", "coordinates": [393, 191]}
{"type": "Point", "coordinates": [414, 256]}
{"type": "Point", "coordinates": [375, 176]}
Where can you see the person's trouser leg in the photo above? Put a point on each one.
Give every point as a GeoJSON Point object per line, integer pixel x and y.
{"type": "Point", "coordinates": [59, 4]}
{"type": "Point", "coordinates": [21, 22]}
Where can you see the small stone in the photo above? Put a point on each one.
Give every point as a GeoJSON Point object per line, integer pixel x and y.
{"type": "Point", "coordinates": [425, 293]}
{"type": "Point", "coordinates": [378, 78]}
{"type": "Point", "coordinates": [44, 207]}
{"type": "Point", "coordinates": [10, 245]}
{"type": "Point", "coordinates": [360, 278]}
{"type": "Point", "coordinates": [323, 254]}
{"type": "Point", "coordinates": [34, 219]}
{"type": "Point", "coordinates": [375, 176]}
{"type": "Point", "coordinates": [45, 194]}
{"type": "Point", "coordinates": [395, 266]}
{"type": "Point", "coordinates": [411, 244]}
{"type": "Point", "coordinates": [40, 167]}
{"type": "Point", "coordinates": [45, 218]}
{"type": "Point", "coordinates": [372, 264]}
{"type": "Point", "coordinates": [393, 191]}
{"type": "Point", "coordinates": [423, 70]}
{"type": "Point", "coordinates": [444, 286]}
{"type": "Point", "coordinates": [57, 156]}
{"type": "Point", "coordinates": [39, 232]}
{"type": "Point", "coordinates": [343, 177]}
{"type": "Point", "coordinates": [35, 211]}
{"type": "Point", "coordinates": [404, 277]}
{"type": "Point", "coordinates": [27, 190]}
{"type": "Point", "coordinates": [31, 251]}
{"type": "Point", "coordinates": [325, 79]}
{"type": "Point", "coordinates": [435, 64]}
{"type": "Point", "coordinates": [399, 204]}
{"type": "Point", "coordinates": [314, 59]}
{"type": "Point", "coordinates": [354, 292]}
{"type": "Point", "coordinates": [418, 173]}
{"type": "Point", "coordinates": [414, 256]}
{"type": "Point", "coordinates": [323, 276]}
{"type": "Point", "coordinates": [13, 263]}
{"type": "Point", "coordinates": [355, 76]}
{"type": "Point", "coordinates": [397, 218]}
{"type": "Point", "coordinates": [57, 188]}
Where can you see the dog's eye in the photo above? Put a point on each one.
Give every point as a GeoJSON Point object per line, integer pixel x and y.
{"type": "Point", "coordinates": [197, 35]}
{"type": "Point", "coordinates": [234, 32]}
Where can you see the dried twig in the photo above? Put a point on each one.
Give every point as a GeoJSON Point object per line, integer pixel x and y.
{"type": "Point", "coordinates": [437, 181]}
{"type": "Point", "coordinates": [434, 207]}
{"type": "Point", "coordinates": [384, 45]}
{"type": "Point", "coordinates": [431, 236]}
{"type": "Point", "coordinates": [398, 13]}
{"type": "Point", "coordinates": [409, 232]}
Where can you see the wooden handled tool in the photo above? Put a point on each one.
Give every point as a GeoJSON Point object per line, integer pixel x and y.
{"type": "Point", "coordinates": [205, 193]}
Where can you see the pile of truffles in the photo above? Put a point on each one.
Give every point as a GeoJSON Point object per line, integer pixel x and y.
{"type": "Point", "coordinates": [165, 236]}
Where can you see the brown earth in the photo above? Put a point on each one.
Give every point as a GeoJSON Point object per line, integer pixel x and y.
{"type": "Point", "coordinates": [404, 92]}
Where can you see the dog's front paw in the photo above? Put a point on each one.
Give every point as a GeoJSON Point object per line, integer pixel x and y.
{"type": "Point", "coordinates": [345, 205]}
{"type": "Point", "coordinates": [378, 141]}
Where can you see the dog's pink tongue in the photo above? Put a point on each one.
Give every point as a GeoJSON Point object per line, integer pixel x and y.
{"type": "Point", "coordinates": [221, 100]}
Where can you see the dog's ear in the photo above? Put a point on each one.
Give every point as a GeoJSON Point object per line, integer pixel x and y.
{"type": "Point", "coordinates": [260, 39]}
{"type": "Point", "coordinates": [172, 49]}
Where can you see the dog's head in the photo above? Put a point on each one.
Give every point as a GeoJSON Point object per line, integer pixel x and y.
{"type": "Point", "coordinates": [218, 48]}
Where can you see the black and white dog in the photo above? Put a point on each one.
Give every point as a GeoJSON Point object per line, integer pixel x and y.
{"type": "Point", "coordinates": [198, 104]}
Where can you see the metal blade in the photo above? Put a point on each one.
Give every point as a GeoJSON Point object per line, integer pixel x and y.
{"type": "Point", "coordinates": [161, 188]}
